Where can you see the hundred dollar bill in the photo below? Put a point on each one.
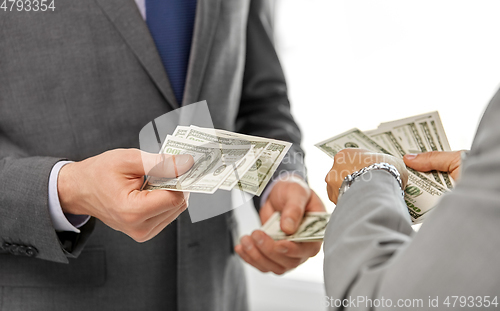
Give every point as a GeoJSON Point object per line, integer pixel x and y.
{"type": "Point", "coordinates": [433, 141]}
{"type": "Point", "coordinates": [216, 136]}
{"type": "Point", "coordinates": [418, 134]}
{"type": "Point", "coordinates": [353, 138]}
{"type": "Point", "coordinates": [383, 137]}
{"type": "Point", "coordinates": [410, 134]}
{"type": "Point", "coordinates": [421, 193]}
{"type": "Point", "coordinates": [311, 229]}
{"type": "Point", "coordinates": [258, 176]}
{"type": "Point", "coordinates": [434, 121]}
{"type": "Point", "coordinates": [418, 179]}
{"type": "Point", "coordinates": [181, 131]}
{"type": "Point", "coordinates": [212, 164]}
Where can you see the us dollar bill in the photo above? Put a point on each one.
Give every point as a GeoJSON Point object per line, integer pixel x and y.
{"type": "Point", "coordinates": [311, 229]}
{"type": "Point", "coordinates": [421, 193]}
{"type": "Point", "coordinates": [213, 136]}
{"type": "Point", "coordinates": [212, 165]}
{"type": "Point", "coordinates": [435, 145]}
{"type": "Point", "coordinates": [223, 160]}
{"type": "Point", "coordinates": [255, 180]}
{"type": "Point", "coordinates": [385, 138]}
{"type": "Point", "coordinates": [418, 134]}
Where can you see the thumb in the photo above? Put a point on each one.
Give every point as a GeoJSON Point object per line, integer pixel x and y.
{"type": "Point", "coordinates": [429, 161]}
{"type": "Point", "coordinates": [293, 210]}
{"type": "Point", "coordinates": [166, 165]}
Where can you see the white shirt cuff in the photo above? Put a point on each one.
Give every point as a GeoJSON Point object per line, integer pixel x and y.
{"type": "Point", "coordinates": [283, 176]}
{"type": "Point", "coordinates": [61, 221]}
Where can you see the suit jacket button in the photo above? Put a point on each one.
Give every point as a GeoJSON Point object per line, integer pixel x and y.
{"type": "Point", "coordinates": [5, 246]}
{"type": "Point", "coordinates": [14, 249]}
{"type": "Point", "coordinates": [21, 250]}
{"type": "Point", "coordinates": [31, 251]}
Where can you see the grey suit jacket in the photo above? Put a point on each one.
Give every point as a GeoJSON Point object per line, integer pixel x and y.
{"type": "Point", "coordinates": [85, 79]}
{"type": "Point", "coordinates": [372, 252]}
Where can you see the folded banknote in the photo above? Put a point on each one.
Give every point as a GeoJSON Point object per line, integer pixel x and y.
{"type": "Point", "coordinates": [415, 134]}
{"type": "Point", "coordinates": [222, 160]}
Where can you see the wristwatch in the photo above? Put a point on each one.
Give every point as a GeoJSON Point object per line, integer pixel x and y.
{"type": "Point", "coordinates": [349, 179]}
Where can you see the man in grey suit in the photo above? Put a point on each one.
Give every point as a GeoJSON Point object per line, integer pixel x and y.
{"type": "Point", "coordinates": [373, 258]}
{"type": "Point", "coordinates": [80, 82]}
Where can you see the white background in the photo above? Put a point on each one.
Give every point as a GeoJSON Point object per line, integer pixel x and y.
{"type": "Point", "coordinates": [356, 63]}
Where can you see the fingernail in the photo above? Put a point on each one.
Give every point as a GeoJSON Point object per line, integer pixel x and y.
{"type": "Point", "coordinates": [288, 224]}
{"type": "Point", "coordinates": [258, 238]}
{"type": "Point", "coordinates": [411, 156]}
{"type": "Point", "coordinates": [281, 249]}
{"type": "Point", "coordinates": [186, 198]}
{"type": "Point", "coordinates": [246, 244]}
{"type": "Point", "coordinates": [182, 159]}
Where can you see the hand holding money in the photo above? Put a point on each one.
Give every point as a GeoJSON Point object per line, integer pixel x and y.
{"type": "Point", "coordinates": [222, 160]}
{"type": "Point", "coordinates": [311, 229]}
{"type": "Point", "coordinates": [269, 253]}
{"type": "Point", "coordinates": [107, 187]}
{"type": "Point", "coordinates": [348, 161]}
{"type": "Point", "coordinates": [442, 161]}
{"type": "Point", "coordinates": [413, 135]}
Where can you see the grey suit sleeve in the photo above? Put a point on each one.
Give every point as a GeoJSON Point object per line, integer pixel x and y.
{"type": "Point", "coordinates": [371, 252]}
{"type": "Point", "coordinates": [24, 216]}
{"type": "Point", "coordinates": [265, 108]}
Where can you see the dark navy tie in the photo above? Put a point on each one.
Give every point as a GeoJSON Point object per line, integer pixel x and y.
{"type": "Point", "coordinates": [171, 24]}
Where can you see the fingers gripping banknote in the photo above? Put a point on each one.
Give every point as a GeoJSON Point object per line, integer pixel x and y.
{"type": "Point", "coordinates": [222, 160]}
{"type": "Point", "coordinates": [311, 229]}
{"type": "Point", "coordinates": [411, 135]}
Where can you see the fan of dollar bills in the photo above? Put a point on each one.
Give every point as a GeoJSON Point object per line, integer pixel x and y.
{"type": "Point", "coordinates": [311, 229]}
{"type": "Point", "coordinates": [222, 160]}
{"type": "Point", "coordinates": [415, 134]}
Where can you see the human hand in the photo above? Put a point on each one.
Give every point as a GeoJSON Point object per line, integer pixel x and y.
{"type": "Point", "coordinates": [292, 198]}
{"type": "Point", "coordinates": [107, 187]}
{"type": "Point", "coordinates": [348, 161]}
{"type": "Point", "coordinates": [444, 161]}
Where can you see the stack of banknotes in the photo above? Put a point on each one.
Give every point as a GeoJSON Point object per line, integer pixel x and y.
{"type": "Point", "coordinates": [416, 134]}
{"type": "Point", "coordinates": [222, 160]}
{"type": "Point", "coordinates": [311, 229]}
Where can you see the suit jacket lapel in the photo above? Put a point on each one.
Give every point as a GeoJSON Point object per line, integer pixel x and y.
{"type": "Point", "coordinates": [129, 23]}
{"type": "Point", "coordinates": [207, 16]}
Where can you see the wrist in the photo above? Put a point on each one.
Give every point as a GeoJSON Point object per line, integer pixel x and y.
{"type": "Point", "coordinates": [360, 174]}
{"type": "Point", "coordinates": [67, 187]}
{"type": "Point", "coordinates": [284, 177]}
{"type": "Point", "coordinates": [294, 178]}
